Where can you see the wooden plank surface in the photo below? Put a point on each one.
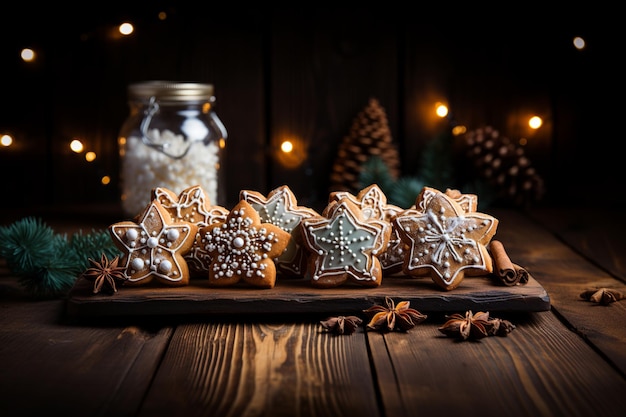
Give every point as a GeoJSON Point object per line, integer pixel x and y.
{"type": "Point", "coordinates": [566, 361]}
{"type": "Point", "coordinates": [595, 234]}
{"type": "Point", "coordinates": [297, 296]}
{"type": "Point", "coordinates": [71, 370]}
{"type": "Point", "coordinates": [565, 273]}
{"type": "Point", "coordinates": [263, 369]}
{"type": "Point", "coordinates": [540, 369]}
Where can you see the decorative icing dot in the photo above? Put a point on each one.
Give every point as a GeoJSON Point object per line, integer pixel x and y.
{"type": "Point", "coordinates": [238, 242]}
{"type": "Point", "coordinates": [172, 234]}
{"type": "Point", "coordinates": [131, 234]}
{"type": "Point", "coordinates": [165, 266]}
{"type": "Point", "coordinates": [137, 264]}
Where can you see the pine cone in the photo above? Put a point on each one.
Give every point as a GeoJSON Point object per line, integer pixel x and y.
{"type": "Point", "coordinates": [369, 136]}
{"type": "Point", "coordinates": [497, 160]}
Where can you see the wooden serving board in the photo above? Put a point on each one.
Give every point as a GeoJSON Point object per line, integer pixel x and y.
{"type": "Point", "coordinates": [297, 296]}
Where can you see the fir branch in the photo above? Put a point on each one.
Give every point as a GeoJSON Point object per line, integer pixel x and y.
{"type": "Point", "coordinates": [47, 264]}
{"type": "Point", "coordinates": [375, 171]}
{"type": "Point", "coordinates": [25, 243]}
{"type": "Point", "coordinates": [56, 274]}
{"type": "Point", "coordinates": [93, 245]}
{"type": "Point", "coordinates": [437, 162]}
{"type": "Point", "coordinates": [404, 192]}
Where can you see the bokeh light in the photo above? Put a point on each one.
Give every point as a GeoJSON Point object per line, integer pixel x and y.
{"type": "Point", "coordinates": [28, 55]}
{"type": "Point", "coordinates": [77, 146]}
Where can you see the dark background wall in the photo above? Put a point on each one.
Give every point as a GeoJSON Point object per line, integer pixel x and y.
{"type": "Point", "coordinates": [306, 72]}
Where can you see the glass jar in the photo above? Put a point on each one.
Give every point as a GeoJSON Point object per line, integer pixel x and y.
{"type": "Point", "coordinates": [173, 139]}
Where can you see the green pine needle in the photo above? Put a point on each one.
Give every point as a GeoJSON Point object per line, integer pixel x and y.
{"type": "Point", "coordinates": [93, 245]}
{"type": "Point", "coordinates": [25, 244]}
{"type": "Point", "coordinates": [404, 192]}
{"type": "Point", "coordinates": [47, 264]}
{"type": "Point", "coordinates": [375, 171]}
{"type": "Point", "coordinates": [56, 276]}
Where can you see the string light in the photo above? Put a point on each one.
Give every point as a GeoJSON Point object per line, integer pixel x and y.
{"type": "Point", "coordinates": [126, 28]}
{"type": "Point", "coordinates": [6, 140]}
{"type": "Point", "coordinates": [90, 156]}
{"type": "Point", "coordinates": [579, 43]}
{"type": "Point", "coordinates": [535, 122]}
{"type": "Point", "coordinates": [286, 146]}
{"type": "Point", "coordinates": [28, 55]}
{"type": "Point", "coordinates": [441, 110]}
{"type": "Point", "coordinates": [77, 146]}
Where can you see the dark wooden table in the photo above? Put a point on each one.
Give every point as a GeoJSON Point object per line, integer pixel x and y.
{"type": "Point", "coordinates": [569, 360]}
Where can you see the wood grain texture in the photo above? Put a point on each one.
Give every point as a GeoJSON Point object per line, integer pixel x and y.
{"type": "Point", "coordinates": [298, 297]}
{"type": "Point", "coordinates": [263, 369]}
{"type": "Point", "coordinates": [596, 234]}
{"type": "Point", "coordinates": [72, 370]}
{"type": "Point", "coordinates": [565, 273]}
{"type": "Point", "coordinates": [513, 375]}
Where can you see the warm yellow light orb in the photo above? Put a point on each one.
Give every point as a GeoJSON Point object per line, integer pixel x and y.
{"type": "Point", "coordinates": [441, 109]}
{"type": "Point", "coordinates": [27, 54]}
{"type": "Point", "coordinates": [90, 156]}
{"type": "Point", "coordinates": [126, 28]}
{"type": "Point", "coordinates": [76, 146]}
{"type": "Point", "coordinates": [105, 180]}
{"type": "Point", "coordinates": [459, 130]}
{"type": "Point", "coordinates": [286, 146]}
{"type": "Point", "coordinates": [6, 140]}
{"type": "Point", "coordinates": [579, 43]}
{"type": "Point", "coordinates": [535, 122]}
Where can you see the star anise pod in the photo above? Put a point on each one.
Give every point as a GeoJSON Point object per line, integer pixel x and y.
{"type": "Point", "coordinates": [475, 326]}
{"type": "Point", "coordinates": [105, 274]}
{"type": "Point", "coordinates": [391, 316]}
{"type": "Point", "coordinates": [500, 327]}
{"type": "Point", "coordinates": [341, 324]}
{"type": "Point", "coordinates": [603, 296]}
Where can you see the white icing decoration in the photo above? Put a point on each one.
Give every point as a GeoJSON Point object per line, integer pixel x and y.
{"type": "Point", "coordinates": [239, 247]}
{"type": "Point", "coordinates": [448, 235]}
{"type": "Point", "coordinates": [137, 264]}
{"type": "Point", "coordinates": [146, 254]}
{"type": "Point", "coordinates": [345, 244]}
{"type": "Point", "coordinates": [131, 234]}
{"type": "Point", "coordinates": [172, 234]}
{"type": "Point", "coordinates": [165, 266]}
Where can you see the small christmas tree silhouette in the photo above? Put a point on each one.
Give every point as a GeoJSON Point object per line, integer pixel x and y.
{"type": "Point", "coordinates": [369, 136]}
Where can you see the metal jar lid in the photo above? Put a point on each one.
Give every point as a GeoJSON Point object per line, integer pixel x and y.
{"type": "Point", "coordinates": [171, 90]}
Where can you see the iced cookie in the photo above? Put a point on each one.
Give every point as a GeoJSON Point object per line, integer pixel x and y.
{"type": "Point", "coordinates": [280, 208]}
{"type": "Point", "coordinates": [468, 202]}
{"type": "Point", "coordinates": [446, 241]}
{"type": "Point", "coordinates": [192, 205]}
{"type": "Point", "coordinates": [373, 202]}
{"type": "Point", "coordinates": [154, 247]}
{"type": "Point", "coordinates": [345, 245]}
{"type": "Point", "coordinates": [242, 248]}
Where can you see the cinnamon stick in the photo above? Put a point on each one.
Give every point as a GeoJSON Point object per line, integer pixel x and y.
{"type": "Point", "coordinates": [509, 273]}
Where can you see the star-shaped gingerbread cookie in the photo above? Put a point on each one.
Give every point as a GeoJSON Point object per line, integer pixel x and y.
{"type": "Point", "coordinates": [243, 248]}
{"type": "Point", "coordinates": [468, 202]}
{"type": "Point", "coordinates": [192, 205]}
{"type": "Point", "coordinates": [345, 245]}
{"type": "Point", "coordinates": [280, 208]}
{"type": "Point", "coordinates": [154, 247]}
{"type": "Point", "coordinates": [373, 202]}
{"type": "Point", "coordinates": [446, 241]}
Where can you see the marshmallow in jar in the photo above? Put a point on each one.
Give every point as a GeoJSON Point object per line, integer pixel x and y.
{"type": "Point", "coordinates": [172, 138]}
